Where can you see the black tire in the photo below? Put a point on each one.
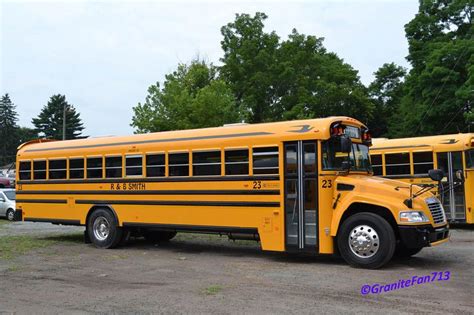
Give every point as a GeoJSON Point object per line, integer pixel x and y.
{"type": "Point", "coordinates": [10, 215]}
{"type": "Point", "coordinates": [158, 236]}
{"type": "Point", "coordinates": [401, 251]}
{"type": "Point", "coordinates": [111, 234]}
{"type": "Point", "coordinates": [371, 227]}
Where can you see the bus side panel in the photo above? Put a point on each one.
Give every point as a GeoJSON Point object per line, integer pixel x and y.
{"type": "Point", "coordinates": [469, 195]}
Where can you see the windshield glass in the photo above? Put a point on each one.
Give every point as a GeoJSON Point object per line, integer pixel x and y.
{"type": "Point", "coordinates": [333, 157]}
{"type": "Point", "coordinates": [10, 194]}
{"type": "Point", "coordinates": [470, 158]}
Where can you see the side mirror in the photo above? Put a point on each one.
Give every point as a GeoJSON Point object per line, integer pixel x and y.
{"type": "Point", "coordinates": [459, 175]}
{"type": "Point", "coordinates": [2, 200]}
{"type": "Point", "coordinates": [346, 144]}
{"type": "Point", "coordinates": [437, 175]}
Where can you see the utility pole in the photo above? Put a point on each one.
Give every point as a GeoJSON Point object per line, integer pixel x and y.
{"type": "Point", "coordinates": [64, 121]}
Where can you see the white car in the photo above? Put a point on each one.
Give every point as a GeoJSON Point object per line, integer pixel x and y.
{"type": "Point", "coordinates": [7, 203]}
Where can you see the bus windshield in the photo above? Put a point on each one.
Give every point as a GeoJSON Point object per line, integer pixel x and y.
{"type": "Point", "coordinates": [333, 157]}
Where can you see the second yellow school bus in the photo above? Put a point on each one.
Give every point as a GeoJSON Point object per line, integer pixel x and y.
{"type": "Point", "coordinates": [409, 159]}
{"type": "Point", "coordinates": [296, 186]}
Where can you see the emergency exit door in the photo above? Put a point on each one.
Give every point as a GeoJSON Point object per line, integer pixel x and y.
{"type": "Point", "coordinates": [301, 195]}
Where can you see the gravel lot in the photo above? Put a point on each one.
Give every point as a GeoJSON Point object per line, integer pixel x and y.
{"type": "Point", "coordinates": [207, 274]}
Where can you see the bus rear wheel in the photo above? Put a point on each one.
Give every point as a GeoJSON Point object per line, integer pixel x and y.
{"type": "Point", "coordinates": [103, 229]}
{"type": "Point", "coordinates": [366, 240]}
{"type": "Point", "coordinates": [158, 236]}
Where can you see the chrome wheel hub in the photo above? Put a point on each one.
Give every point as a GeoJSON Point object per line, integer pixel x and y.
{"type": "Point", "coordinates": [11, 214]}
{"type": "Point", "coordinates": [101, 228]}
{"type": "Point", "coordinates": [364, 241]}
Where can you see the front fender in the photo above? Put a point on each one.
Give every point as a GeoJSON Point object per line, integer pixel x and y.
{"type": "Point", "coordinates": [351, 198]}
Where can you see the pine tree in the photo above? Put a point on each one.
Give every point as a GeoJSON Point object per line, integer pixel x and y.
{"type": "Point", "coordinates": [8, 126]}
{"type": "Point", "coordinates": [49, 122]}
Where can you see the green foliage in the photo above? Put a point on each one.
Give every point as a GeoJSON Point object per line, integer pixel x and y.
{"type": "Point", "coordinates": [386, 92]}
{"type": "Point", "coordinates": [49, 122]}
{"type": "Point", "coordinates": [192, 97]}
{"type": "Point", "coordinates": [8, 126]}
{"type": "Point", "coordinates": [297, 78]}
{"type": "Point", "coordinates": [439, 87]}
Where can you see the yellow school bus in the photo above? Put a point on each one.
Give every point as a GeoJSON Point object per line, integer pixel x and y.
{"type": "Point", "coordinates": [409, 160]}
{"type": "Point", "coordinates": [296, 186]}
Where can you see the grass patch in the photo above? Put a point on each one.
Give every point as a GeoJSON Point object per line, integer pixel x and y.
{"type": "Point", "coordinates": [4, 222]}
{"type": "Point", "coordinates": [213, 290]}
{"type": "Point", "coordinates": [13, 246]}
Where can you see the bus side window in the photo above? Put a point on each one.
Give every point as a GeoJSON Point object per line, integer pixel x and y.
{"type": "Point", "coordinates": [25, 170]}
{"type": "Point", "coordinates": [207, 163]}
{"type": "Point", "coordinates": [178, 164]}
{"type": "Point", "coordinates": [469, 158]}
{"type": "Point", "coordinates": [39, 169]}
{"type": "Point", "coordinates": [265, 160]}
{"type": "Point", "coordinates": [76, 168]}
{"type": "Point", "coordinates": [422, 162]}
{"type": "Point", "coordinates": [113, 166]}
{"type": "Point", "coordinates": [397, 163]}
{"type": "Point", "coordinates": [133, 165]}
{"type": "Point", "coordinates": [155, 165]}
{"type": "Point", "coordinates": [237, 162]}
{"type": "Point", "coordinates": [94, 167]}
{"type": "Point", "coordinates": [377, 164]}
{"type": "Point", "coordinates": [57, 169]}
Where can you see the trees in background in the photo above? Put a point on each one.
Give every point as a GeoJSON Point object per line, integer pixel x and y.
{"type": "Point", "coordinates": [263, 78]}
{"type": "Point", "coordinates": [49, 123]}
{"type": "Point", "coordinates": [11, 135]}
{"type": "Point", "coordinates": [386, 92]}
{"type": "Point", "coordinates": [191, 97]}
{"type": "Point", "coordinates": [440, 85]}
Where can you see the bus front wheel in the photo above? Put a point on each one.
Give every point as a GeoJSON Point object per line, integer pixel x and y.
{"type": "Point", "coordinates": [103, 229]}
{"type": "Point", "coordinates": [366, 240]}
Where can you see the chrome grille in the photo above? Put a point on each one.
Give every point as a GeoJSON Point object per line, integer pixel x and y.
{"type": "Point", "coordinates": [436, 209]}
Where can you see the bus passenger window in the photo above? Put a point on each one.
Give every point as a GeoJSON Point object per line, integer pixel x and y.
{"type": "Point", "coordinates": [133, 165]}
{"type": "Point", "coordinates": [397, 164]}
{"type": "Point", "coordinates": [422, 162]}
{"type": "Point", "coordinates": [377, 164]}
{"type": "Point", "coordinates": [237, 162]}
{"type": "Point", "coordinates": [470, 158]}
{"type": "Point", "coordinates": [265, 160]}
{"type": "Point", "coordinates": [207, 163]}
{"type": "Point", "coordinates": [155, 165]}
{"type": "Point", "coordinates": [76, 168]}
{"type": "Point", "coordinates": [57, 169]}
{"type": "Point", "coordinates": [94, 167]}
{"type": "Point", "coordinates": [25, 170]}
{"type": "Point", "coordinates": [113, 166]}
{"type": "Point", "coordinates": [178, 164]}
{"type": "Point", "coordinates": [39, 169]}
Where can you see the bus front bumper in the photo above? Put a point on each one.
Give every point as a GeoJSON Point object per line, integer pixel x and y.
{"type": "Point", "coordinates": [422, 236]}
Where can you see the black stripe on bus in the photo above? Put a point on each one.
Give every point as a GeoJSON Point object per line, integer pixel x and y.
{"type": "Point", "coordinates": [41, 201]}
{"type": "Point", "coordinates": [235, 135]}
{"type": "Point", "coordinates": [400, 147]}
{"type": "Point", "coordinates": [193, 228]}
{"type": "Point", "coordinates": [149, 192]}
{"type": "Point", "coordinates": [182, 203]}
{"type": "Point", "coordinates": [183, 179]}
{"type": "Point", "coordinates": [54, 221]}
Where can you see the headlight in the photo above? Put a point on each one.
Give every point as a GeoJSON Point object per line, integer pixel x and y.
{"type": "Point", "coordinates": [413, 216]}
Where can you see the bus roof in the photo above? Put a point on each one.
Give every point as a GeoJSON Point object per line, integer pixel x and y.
{"type": "Point", "coordinates": [286, 130]}
{"type": "Point", "coordinates": [460, 141]}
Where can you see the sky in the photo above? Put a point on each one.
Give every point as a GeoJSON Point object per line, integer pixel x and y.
{"type": "Point", "coordinates": [104, 55]}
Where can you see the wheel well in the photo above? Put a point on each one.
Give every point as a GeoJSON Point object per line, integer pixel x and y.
{"type": "Point", "coordinates": [106, 207]}
{"type": "Point", "coordinates": [358, 207]}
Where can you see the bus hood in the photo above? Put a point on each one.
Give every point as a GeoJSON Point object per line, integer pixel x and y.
{"type": "Point", "coordinates": [384, 189]}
